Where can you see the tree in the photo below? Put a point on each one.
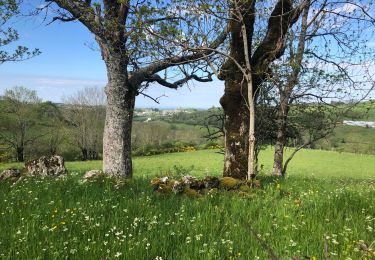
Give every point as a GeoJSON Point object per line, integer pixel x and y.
{"type": "Point", "coordinates": [310, 123]}
{"type": "Point", "coordinates": [85, 114]}
{"type": "Point", "coordinates": [24, 119]}
{"type": "Point", "coordinates": [8, 10]}
{"type": "Point", "coordinates": [138, 41]}
{"type": "Point", "coordinates": [320, 65]}
{"type": "Point", "coordinates": [246, 68]}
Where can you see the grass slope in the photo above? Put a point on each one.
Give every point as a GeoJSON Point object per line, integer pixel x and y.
{"type": "Point", "coordinates": [328, 199]}
{"type": "Point", "coordinates": [353, 139]}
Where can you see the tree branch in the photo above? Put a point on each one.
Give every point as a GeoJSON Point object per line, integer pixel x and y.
{"type": "Point", "coordinates": [82, 11]}
{"type": "Point", "coordinates": [196, 54]}
{"type": "Point", "coordinates": [178, 83]}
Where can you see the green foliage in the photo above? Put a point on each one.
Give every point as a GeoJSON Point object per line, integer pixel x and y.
{"type": "Point", "coordinates": [74, 128]}
{"type": "Point", "coordinates": [62, 218]}
{"type": "Point", "coordinates": [165, 147]}
{"type": "Point", "coordinates": [8, 35]}
{"type": "Point", "coordinates": [5, 155]}
{"type": "Point", "coordinates": [70, 129]}
{"type": "Point", "coordinates": [196, 117]}
{"type": "Point", "coordinates": [364, 111]}
{"type": "Point", "coordinates": [25, 120]}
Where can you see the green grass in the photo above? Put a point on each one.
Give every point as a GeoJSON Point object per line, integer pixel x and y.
{"type": "Point", "coordinates": [367, 109]}
{"type": "Point", "coordinates": [306, 163]}
{"type": "Point", "coordinates": [328, 198]}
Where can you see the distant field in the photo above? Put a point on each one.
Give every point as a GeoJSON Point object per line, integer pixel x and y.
{"type": "Point", "coordinates": [327, 201]}
{"type": "Point", "coordinates": [367, 109]}
{"type": "Point", "coordinates": [352, 139]}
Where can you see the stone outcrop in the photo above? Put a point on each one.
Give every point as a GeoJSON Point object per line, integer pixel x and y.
{"type": "Point", "coordinates": [12, 174]}
{"type": "Point", "coordinates": [194, 187]}
{"type": "Point", "coordinates": [46, 166]}
{"type": "Point", "coordinates": [211, 182]}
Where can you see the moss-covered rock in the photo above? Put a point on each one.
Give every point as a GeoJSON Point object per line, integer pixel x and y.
{"type": "Point", "coordinates": [230, 183]}
{"type": "Point", "coordinates": [193, 187]}
{"type": "Point", "coordinates": [165, 189]}
{"type": "Point", "coordinates": [192, 193]}
{"type": "Point", "coordinates": [244, 188]}
{"type": "Point", "coordinates": [156, 182]}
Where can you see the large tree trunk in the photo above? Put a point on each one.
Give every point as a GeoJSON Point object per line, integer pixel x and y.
{"type": "Point", "coordinates": [84, 154]}
{"type": "Point", "coordinates": [121, 94]}
{"type": "Point", "coordinates": [236, 130]}
{"type": "Point", "coordinates": [117, 130]}
{"type": "Point", "coordinates": [236, 111]}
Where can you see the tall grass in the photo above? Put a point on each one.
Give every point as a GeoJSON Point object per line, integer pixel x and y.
{"type": "Point", "coordinates": [298, 216]}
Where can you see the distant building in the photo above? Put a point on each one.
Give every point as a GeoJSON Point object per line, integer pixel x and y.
{"type": "Point", "coordinates": [360, 123]}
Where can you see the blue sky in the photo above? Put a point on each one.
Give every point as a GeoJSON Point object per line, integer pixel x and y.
{"type": "Point", "coordinates": [67, 64]}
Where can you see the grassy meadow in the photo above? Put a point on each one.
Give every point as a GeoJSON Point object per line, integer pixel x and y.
{"type": "Point", "coordinates": [325, 207]}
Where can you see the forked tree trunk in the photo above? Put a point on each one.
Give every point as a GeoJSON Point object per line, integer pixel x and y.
{"type": "Point", "coordinates": [236, 121]}
{"type": "Point", "coordinates": [278, 156]}
{"type": "Point", "coordinates": [280, 138]}
{"type": "Point", "coordinates": [278, 168]}
{"type": "Point", "coordinates": [234, 101]}
{"type": "Point", "coordinates": [117, 158]}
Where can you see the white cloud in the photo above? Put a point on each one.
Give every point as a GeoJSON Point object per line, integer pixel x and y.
{"type": "Point", "coordinates": [58, 82]}
{"type": "Point", "coordinates": [346, 8]}
{"type": "Point", "coordinates": [48, 88]}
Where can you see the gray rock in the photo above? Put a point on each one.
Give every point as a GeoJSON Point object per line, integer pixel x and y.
{"type": "Point", "coordinates": [164, 180]}
{"type": "Point", "coordinates": [192, 182]}
{"type": "Point", "coordinates": [46, 166]}
{"type": "Point", "coordinates": [10, 174]}
{"type": "Point", "coordinates": [178, 187]}
{"type": "Point", "coordinates": [211, 182]}
{"type": "Point", "coordinates": [93, 174]}
{"type": "Point", "coordinates": [187, 179]}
